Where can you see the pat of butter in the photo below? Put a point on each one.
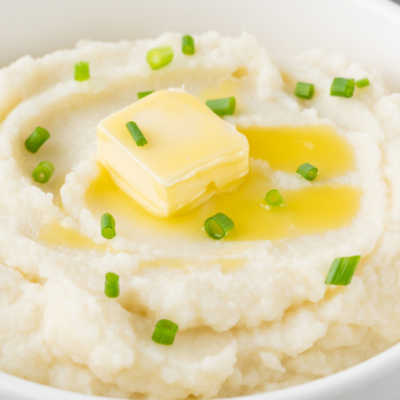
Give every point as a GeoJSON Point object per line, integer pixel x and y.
{"type": "Point", "coordinates": [190, 154]}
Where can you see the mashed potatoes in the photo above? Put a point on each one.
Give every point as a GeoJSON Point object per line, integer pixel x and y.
{"type": "Point", "coordinates": [253, 316]}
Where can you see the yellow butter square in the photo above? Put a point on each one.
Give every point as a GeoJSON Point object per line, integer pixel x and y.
{"type": "Point", "coordinates": [190, 154]}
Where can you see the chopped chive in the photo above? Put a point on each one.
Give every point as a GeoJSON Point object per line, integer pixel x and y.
{"type": "Point", "coordinates": [304, 90]}
{"type": "Point", "coordinates": [362, 83]}
{"type": "Point", "coordinates": [107, 226]}
{"type": "Point", "coordinates": [43, 172]}
{"type": "Point", "coordinates": [111, 287]}
{"type": "Point", "coordinates": [187, 45]}
{"type": "Point", "coordinates": [136, 133]}
{"type": "Point", "coordinates": [36, 139]}
{"type": "Point", "coordinates": [140, 95]}
{"type": "Point", "coordinates": [224, 106]}
{"type": "Point", "coordinates": [160, 56]}
{"type": "Point", "coordinates": [82, 71]}
{"type": "Point", "coordinates": [164, 332]}
{"type": "Point", "coordinates": [218, 226]}
{"type": "Point", "coordinates": [274, 198]}
{"type": "Point", "coordinates": [342, 87]}
{"type": "Point", "coordinates": [307, 171]}
{"type": "Point", "coordinates": [342, 270]}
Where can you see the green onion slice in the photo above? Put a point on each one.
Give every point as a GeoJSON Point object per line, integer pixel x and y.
{"type": "Point", "coordinates": [136, 133]}
{"type": "Point", "coordinates": [164, 332]}
{"type": "Point", "coordinates": [36, 139]}
{"type": "Point", "coordinates": [274, 198]}
{"type": "Point", "coordinates": [82, 71]}
{"type": "Point", "coordinates": [107, 226]}
{"type": "Point", "coordinates": [342, 270]}
{"type": "Point", "coordinates": [304, 90]}
{"type": "Point", "coordinates": [111, 288]}
{"type": "Point", "coordinates": [362, 83]}
{"type": "Point", "coordinates": [160, 56]}
{"type": "Point", "coordinates": [307, 171]}
{"type": "Point", "coordinates": [218, 226]}
{"type": "Point", "coordinates": [224, 106]}
{"type": "Point", "coordinates": [140, 95]}
{"type": "Point", "coordinates": [342, 87]}
{"type": "Point", "coordinates": [43, 172]}
{"type": "Point", "coordinates": [187, 45]}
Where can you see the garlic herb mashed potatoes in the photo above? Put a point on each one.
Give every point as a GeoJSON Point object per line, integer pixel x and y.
{"type": "Point", "coordinates": [253, 310]}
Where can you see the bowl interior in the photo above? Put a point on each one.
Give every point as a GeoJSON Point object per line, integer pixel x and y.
{"type": "Point", "coordinates": [364, 30]}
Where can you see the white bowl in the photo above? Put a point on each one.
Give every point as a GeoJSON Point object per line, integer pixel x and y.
{"type": "Point", "coordinates": [367, 31]}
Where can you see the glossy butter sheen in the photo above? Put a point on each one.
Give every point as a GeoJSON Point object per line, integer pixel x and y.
{"type": "Point", "coordinates": [287, 147]}
{"type": "Point", "coordinates": [308, 210]}
{"type": "Point", "coordinates": [191, 153]}
{"type": "Point", "coordinates": [55, 235]}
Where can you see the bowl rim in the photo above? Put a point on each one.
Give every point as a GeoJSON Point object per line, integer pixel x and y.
{"type": "Point", "coordinates": [340, 382]}
{"type": "Point", "coordinates": [369, 371]}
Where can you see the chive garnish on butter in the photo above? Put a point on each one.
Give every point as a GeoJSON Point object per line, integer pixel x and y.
{"type": "Point", "coordinates": [140, 95]}
{"type": "Point", "coordinates": [218, 226]}
{"type": "Point", "coordinates": [307, 171]}
{"type": "Point", "coordinates": [274, 198]}
{"type": "Point", "coordinates": [136, 133]}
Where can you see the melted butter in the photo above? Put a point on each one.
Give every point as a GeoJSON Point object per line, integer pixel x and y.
{"type": "Point", "coordinates": [189, 150]}
{"type": "Point", "coordinates": [288, 79]}
{"type": "Point", "coordinates": [225, 265]}
{"type": "Point", "coordinates": [310, 210]}
{"type": "Point", "coordinates": [61, 207]}
{"type": "Point", "coordinates": [285, 148]}
{"type": "Point", "coordinates": [55, 235]}
{"type": "Point", "coordinates": [240, 72]}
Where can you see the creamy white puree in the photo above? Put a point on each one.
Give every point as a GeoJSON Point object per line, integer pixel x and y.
{"type": "Point", "coordinates": [266, 324]}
